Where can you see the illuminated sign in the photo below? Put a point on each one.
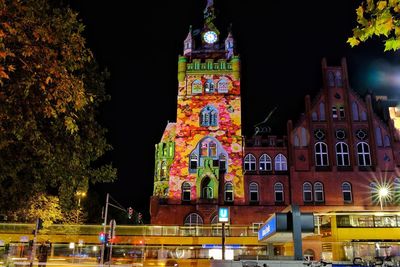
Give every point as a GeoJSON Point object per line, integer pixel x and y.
{"type": "Point", "coordinates": [268, 229]}
{"type": "Point", "coordinates": [223, 214]}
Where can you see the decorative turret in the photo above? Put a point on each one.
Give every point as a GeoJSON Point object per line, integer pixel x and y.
{"type": "Point", "coordinates": [229, 45]}
{"type": "Point", "coordinates": [188, 44]}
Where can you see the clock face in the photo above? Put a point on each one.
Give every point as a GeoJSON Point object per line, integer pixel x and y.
{"type": "Point", "coordinates": [210, 37]}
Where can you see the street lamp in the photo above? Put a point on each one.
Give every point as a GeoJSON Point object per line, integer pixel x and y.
{"type": "Point", "coordinates": [79, 194]}
{"type": "Point", "coordinates": [383, 192]}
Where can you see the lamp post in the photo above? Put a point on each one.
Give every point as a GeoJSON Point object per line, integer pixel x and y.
{"type": "Point", "coordinates": [79, 194]}
{"type": "Point", "coordinates": [383, 192]}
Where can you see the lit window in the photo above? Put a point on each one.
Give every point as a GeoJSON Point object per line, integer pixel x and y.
{"type": "Point", "coordinates": [213, 149]}
{"type": "Point", "coordinates": [204, 149]}
{"type": "Point", "coordinates": [223, 86]}
{"type": "Point", "coordinates": [378, 136]}
{"type": "Point", "coordinates": [334, 113]}
{"type": "Point", "coordinates": [307, 192]}
{"type": "Point", "coordinates": [265, 163]}
{"type": "Point", "coordinates": [280, 163]}
{"type": "Point", "coordinates": [364, 157]}
{"type": "Point", "coordinates": [253, 190]}
{"type": "Point", "coordinates": [331, 79]}
{"type": "Point", "coordinates": [346, 190]}
{"type": "Point", "coordinates": [354, 108]}
{"type": "Point", "coordinates": [338, 79]}
{"type": "Point", "coordinates": [341, 112]}
{"type": "Point", "coordinates": [314, 116]}
{"type": "Point", "coordinates": [322, 111]}
{"type": "Point", "coordinates": [186, 191]}
{"type": "Point", "coordinates": [321, 154]}
{"type": "Point", "coordinates": [386, 141]}
{"type": "Point", "coordinates": [209, 116]}
{"type": "Point", "coordinates": [249, 163]}
{"type": "Point", "coordinates": [318, 192]}
{"type": "Point", "coordinates": [363, 116]}
{"type": "Point", "coordinates": [228, 192]}
{"type": "Point", "coordinates": [342, 154]}
{"type": "Point", "coordinates": [197, 87]}
{"type": "Point", "coordinates": [278, 188]}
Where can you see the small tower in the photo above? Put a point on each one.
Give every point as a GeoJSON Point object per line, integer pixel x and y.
{"type": "Point", "coordinates": [229, 44]}
{"type": "Point", "coordinates": [188, 44]}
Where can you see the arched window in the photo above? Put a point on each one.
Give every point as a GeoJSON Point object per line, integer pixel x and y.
{"type": "Point", "coordinates": [249, 163]}
{"type": "Point", "coordinates": [278, 189]}
{"type": "Point", "coordinates": [193, 219]}
{"type": "Point", "coordinates": [338, 79]}
{"type": "Point", "coordinates": [223, 86]}
{"type": "Point", "coordinates": [363, 115]}
{"type": "Point", "coordinates": [378, 136]}
{"type": "Point", "coordinates": [321, 154]}
{"type": "Point", "coordinates": [354, 109]}
{"type": "Point", "coordinates": [209, 116]}
{"type": "Point", "coordinates": [296, 140]}
{"type": "Point", "coordinates": [318, 192]}
{"type": "Point", "coordinates": [209, 86]}
{"type": "Point", "coordinates": [304, 138]}
{"type": "Point", "coordinates": [194, 160]}
{"type": "Point", "coordinates": [213, 149]}
{"type": "Point", "coordinates": [197, 87]}
{"type": "Point", "coordinates": [207, 189]}
{"type": "Point", "coordinates": [346, 191]}
{"type": "Point", "coordinates": [186, 191]}
{"type": "Point", "coordinates": [163, 172]}
{"type": "Point", "coordinates": [204, 149]}
{"type": "Point", "coordinates": [280, 163]}
{"type": "Point", "coordinates": [364, 157]}
{"type": "Point", "coordinates": [331, 79]}
{"type": "Point", "coordinates": [321, 111]}
{"type": "Point", "coordinates": [342, 154]}
{"type": "Point", "coordinates": [253, 192]}
{"type": "Point", "coordinates": [386, 141]}
{"type": "Point", "coordinates": [265, 163]}
{"type": "Point", "coordinates": [307, 192]}
{"type": "Point", "coordinates": [228, 197]}
{"type": "Point", "coordinates": [314, 116]}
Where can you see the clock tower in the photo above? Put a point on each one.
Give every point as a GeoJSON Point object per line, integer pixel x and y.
{"type": "Point", "coordinates": [199, 159]}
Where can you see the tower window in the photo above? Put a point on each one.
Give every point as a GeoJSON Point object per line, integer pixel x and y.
{"type": "Point", "coordinates": [341, 112]}
{"type": "Point", "coordinates": [197, 87]}
{"type": "Point", "coordinates": [334, 113]}
{"type": "Point", "coordinates": [354, 108]}
{"type": "Point", "coordinates": [228, 192]}
{"type": "Point", "coordinates": [209, 116]}
{"type": "Point", "coordinates": [223, 86]}
{"type": "Point", "coordinates": [338, 79]}
{"type": "Point", "coordinates": [186, 191]}
{"type": "Point", "coordinates": [253, 190]}
{"type": "Point", "coordinates": [331, 79]}
{"type": "Point", "coordinates": [194, 160]}
{"type": "Point", "coordinates": [209, 86]}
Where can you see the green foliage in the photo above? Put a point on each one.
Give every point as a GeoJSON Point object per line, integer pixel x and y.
{"type": "Point", "coordinates": [51, 88]}
{"type": "Point", "coordinates": [378, 18]}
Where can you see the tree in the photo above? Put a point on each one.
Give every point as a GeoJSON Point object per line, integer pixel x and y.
{"type": "Point", "coordinates": [51, 89]}
{"type": "Point", "coordinates": [378, 18]}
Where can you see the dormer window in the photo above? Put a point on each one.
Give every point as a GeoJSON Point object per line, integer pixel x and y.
{"type": "Point", "coordinates": [209, 86]}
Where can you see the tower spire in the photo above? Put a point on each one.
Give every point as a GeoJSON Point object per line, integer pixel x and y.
{"type": "Point", "coordinates": [209, 12]}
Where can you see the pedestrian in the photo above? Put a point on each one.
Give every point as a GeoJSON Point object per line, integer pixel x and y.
{"type": "Point", "coordinates": [43, 253]}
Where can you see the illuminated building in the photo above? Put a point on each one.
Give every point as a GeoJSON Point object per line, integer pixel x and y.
{"type": "Point", "coordinates": [334, 161]}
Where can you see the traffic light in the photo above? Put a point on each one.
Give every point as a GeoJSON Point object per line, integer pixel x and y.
{"type": "Point", "coordinates": [102, 237]}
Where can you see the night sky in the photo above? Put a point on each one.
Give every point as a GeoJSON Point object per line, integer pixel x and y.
{"type": "Point", "coordinates": [280, 45]}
